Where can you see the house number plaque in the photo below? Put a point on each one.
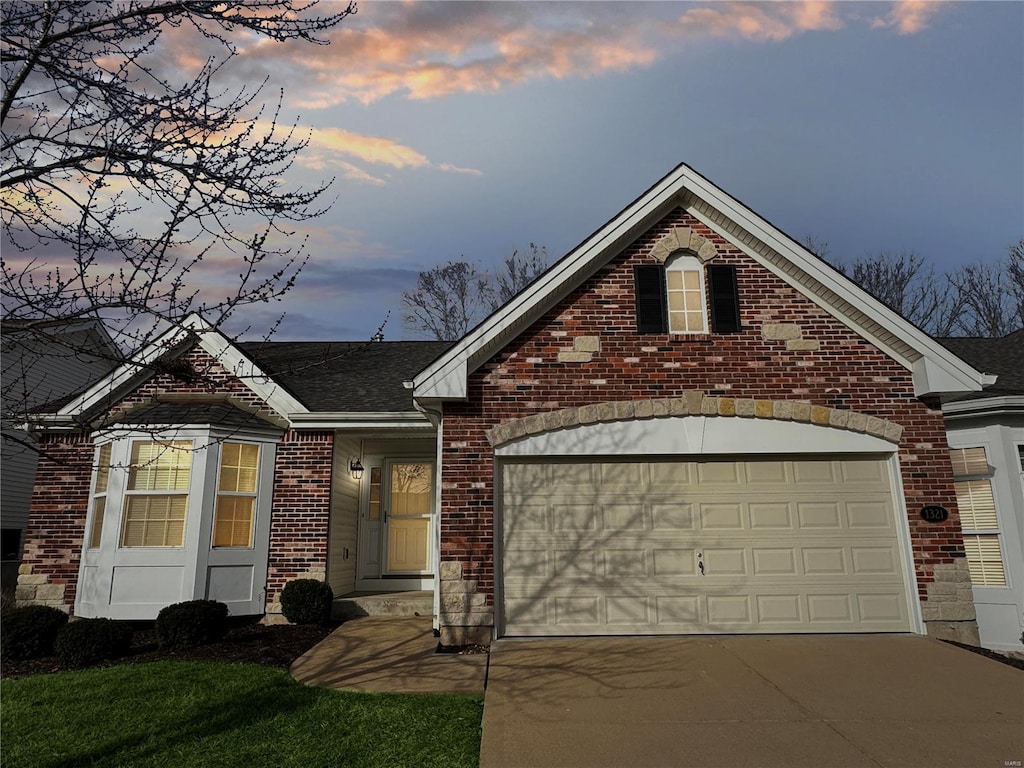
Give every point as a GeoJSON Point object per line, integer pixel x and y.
{"type": "Point", "coordinates": [934, 513]}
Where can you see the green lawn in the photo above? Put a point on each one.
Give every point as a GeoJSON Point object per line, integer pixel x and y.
{"type": "Point", "coordinates": [170, 713]}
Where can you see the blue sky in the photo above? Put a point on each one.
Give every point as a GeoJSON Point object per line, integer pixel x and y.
{"type": "Point", "coordinates": [460, 129]}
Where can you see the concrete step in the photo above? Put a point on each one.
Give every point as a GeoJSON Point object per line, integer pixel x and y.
{"type": "Point", "coordinates": [356, 604]}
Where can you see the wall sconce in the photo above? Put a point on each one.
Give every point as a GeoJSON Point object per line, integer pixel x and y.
{"type": "Point", "coordinates": [355, 466]}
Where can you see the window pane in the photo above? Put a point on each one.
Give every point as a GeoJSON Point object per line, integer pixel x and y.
{"type": "Point", "coordinates": [977, 506]}
{"type": "Point", "coordinates": [676, 300]}
{"type": "Point", "coordinates": [675, 280]}
{"type": "Point", "coordinates": [99, 506]}
{"type": "Point", "coordinates": [694, 321]}
{"type": "Point", "coordinates": [374, 493]}
{"type": "Point", "coordinates": [232, 525]}
{"type": "Point", "coordinates": [103, 469]}
{"type": "Point", "coordinates": [677, 322]}
{"type": "Point", "coordinates": [969, 461]}
{"type": "Point", "coordinates": [160, 466]}
{"type": "Point", "coordinates": [154, 521]}
{"type": "Point", "coordinates": [410, 489]}
{"type": "Point", "coordinates": [238, 465]}
{"type": "Point", "coordinates": [985, 560]}
{"type": "Point", "coordinates": [691, 280]}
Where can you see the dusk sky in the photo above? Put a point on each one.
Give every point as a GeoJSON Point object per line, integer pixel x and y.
{"type": "Point", "coordinates": [464, 129]}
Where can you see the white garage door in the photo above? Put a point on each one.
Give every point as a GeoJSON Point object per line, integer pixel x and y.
{"type": "Point", "coordinates": [665, 547]}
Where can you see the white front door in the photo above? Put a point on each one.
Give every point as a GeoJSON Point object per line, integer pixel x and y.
{"type": "Point", "coordinates": [395, 525]}
{"type": "Point", "coordinates": [406, 515]}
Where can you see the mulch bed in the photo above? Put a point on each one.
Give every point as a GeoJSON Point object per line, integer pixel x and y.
{"type": "Point", "coordinates": [276, 645]}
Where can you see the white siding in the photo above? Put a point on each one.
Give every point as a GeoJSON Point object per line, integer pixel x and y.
{"type": "Point", "coordinates": [341, 545]}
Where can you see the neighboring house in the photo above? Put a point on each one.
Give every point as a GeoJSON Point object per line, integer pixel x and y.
{"type": "Point", "coordinates": [42, 363]}
{"type": "Point", "coordinates": [689, 424]}
{"type": "Point", "coordinates": [986, 439]}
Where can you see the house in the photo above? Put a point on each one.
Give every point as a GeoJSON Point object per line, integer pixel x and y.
{"type": "Point", "coordinates": [688, 424]}
{"type": "Point", "coordinates": [985, 431]}
{"type": "Point", "coordinates": [43, 361]}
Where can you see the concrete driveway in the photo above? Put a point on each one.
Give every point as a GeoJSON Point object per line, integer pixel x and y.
{"type": "Point", "coordinates": [818, 701]}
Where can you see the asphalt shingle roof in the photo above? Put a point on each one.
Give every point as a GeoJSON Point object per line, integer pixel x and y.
{"type": "Point", "coordinates": [1003, 357]}
{"type": "Point", "coordinates": [346, 376]}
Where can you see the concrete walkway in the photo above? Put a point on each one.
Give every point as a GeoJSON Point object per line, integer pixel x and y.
{"type": "Point", "coordinates": [389, 654]}
{"type": "Point", "coordinates": [787, 701]}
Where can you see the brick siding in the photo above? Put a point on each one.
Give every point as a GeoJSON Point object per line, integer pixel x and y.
{"type": "Point", "coordinates": [844, 372]}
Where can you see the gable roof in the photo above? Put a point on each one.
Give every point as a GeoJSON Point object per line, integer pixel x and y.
{"type": "Point", "coordinates": [346, 376]}
{"type": "Point", "coordinates": [313, 383]}
{"type": "Point", "coordinates": [936, 370]}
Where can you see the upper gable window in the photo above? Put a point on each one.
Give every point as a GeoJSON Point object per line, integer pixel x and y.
{"type": "Point", "coordinates": [672, 298]}
{"type": "Point", "coordinates": [684, 279]}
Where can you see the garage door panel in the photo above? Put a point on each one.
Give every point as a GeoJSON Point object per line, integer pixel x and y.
{"type": "Point", "coordinates": [787, 546]}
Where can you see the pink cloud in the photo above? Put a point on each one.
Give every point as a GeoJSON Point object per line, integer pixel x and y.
{"type": "Point", "coordinates": [909, 17]}
{"type": "Point", "coordinates": [762, 21]}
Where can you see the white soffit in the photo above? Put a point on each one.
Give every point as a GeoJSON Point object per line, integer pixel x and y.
{"type": "Point", "coordinates": [935, 369]}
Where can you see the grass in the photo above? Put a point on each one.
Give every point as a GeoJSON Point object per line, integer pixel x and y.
{"type": "Point", "coordinates": [189, 713]}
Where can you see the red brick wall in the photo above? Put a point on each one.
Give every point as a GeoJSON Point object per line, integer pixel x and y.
{"type": "Point", "coordinates": [846, 372]}
{"type": "Point", "coordinates": [60, 501]}
{"type": "Point", "coordinates": [302, 507]}
{"type": "Point", "coordinates": [301, 503]}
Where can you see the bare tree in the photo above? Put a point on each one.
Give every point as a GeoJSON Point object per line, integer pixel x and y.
{"type": "Point", "coordinates": [518, 272]}
{"type": "Point", "coordinates": [452, 298]}
{"type": "Point", "coordinates": [992, 295]}
{"type": "Point", "coordinates": [131, 184]}
{"type": "Point", "coordinates": [906, 283]}
{"type": "Point", "coordinates": [448, 301]}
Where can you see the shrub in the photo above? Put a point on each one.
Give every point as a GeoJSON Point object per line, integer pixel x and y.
{"type": "Point", "coordinates": [28, 632]}
{"type": "Point", "coordinates": [190, 624]}
{"type": "Point", "coordinates": [88, 641]}
{"type": "Point", "coordinates": [307, 601]}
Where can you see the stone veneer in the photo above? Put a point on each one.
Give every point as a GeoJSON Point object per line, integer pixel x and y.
{"type": "Point", "coordinates": [695, 403]}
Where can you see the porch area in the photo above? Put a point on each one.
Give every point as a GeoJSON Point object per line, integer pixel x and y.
{"type": "Point", "coordinates": [394, 604]}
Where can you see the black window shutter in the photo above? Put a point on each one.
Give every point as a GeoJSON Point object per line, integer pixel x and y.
{"type": "Point", "coordinates": [725, 299]}
{"type": "Point", "coordinates": [651, 300]}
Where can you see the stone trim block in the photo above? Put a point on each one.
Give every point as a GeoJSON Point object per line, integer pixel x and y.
{"type": "Point", "coordinates": [450, 570]}
{"type": "Point", "coordinates": [587, 344]}
{"type": "Point", "coordinates": [683, 239]}
{"type": "Point", "coordinates": [693, 402]}
{"type": "Point", "coordinates": [803, 345]}
{"type": "Point", "coordinates": [781, 331]}
{"type": "Point", "coordinates": [569, 356]}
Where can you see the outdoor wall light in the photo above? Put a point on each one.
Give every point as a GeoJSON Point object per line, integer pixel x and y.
{"type": "Point", "coordinates": [355, 466]}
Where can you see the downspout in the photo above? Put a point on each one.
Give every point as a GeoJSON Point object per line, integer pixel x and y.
{"type": "Point", "coordinates": [435, 418]}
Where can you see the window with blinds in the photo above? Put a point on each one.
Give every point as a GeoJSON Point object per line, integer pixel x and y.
{"type": "Point", "coordinates": [978, 519]}
{"type": "Point", "coordinates": [236, 495]}
{"type": "Point", "coordinates": [156, 499]}
{"type": "Point", "coordinates": [99, 495]}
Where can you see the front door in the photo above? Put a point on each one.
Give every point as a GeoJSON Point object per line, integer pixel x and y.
{"type": "Point", "coordinates": [395, 525]}
{"type": "Point", "coordinates": [406, 515]}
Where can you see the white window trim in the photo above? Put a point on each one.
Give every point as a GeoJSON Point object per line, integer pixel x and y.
{"type": "Point", "coordinates": [197, 554]}
{"type": "Point", "coordinates": [684, 261]}
{"type": "Point", "coordinates": [997, 532]}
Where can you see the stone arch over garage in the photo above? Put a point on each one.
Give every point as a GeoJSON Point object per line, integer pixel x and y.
{"type": "Point", "coordinates": [695, 403]}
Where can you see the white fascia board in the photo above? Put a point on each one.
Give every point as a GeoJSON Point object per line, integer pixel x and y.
{"type": "Point", "coordinates": [229, 356]}
{"type": "Point", "coordinates": [946, 373]}
{"type": "Point", "coordinates": [963, 409]}
{"type": "Point", "coordinates": [445, 379]}
{"type": "Point", "coordinates": [355, 422]}
{"type": "Point", "coordinates": [211, 340]}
